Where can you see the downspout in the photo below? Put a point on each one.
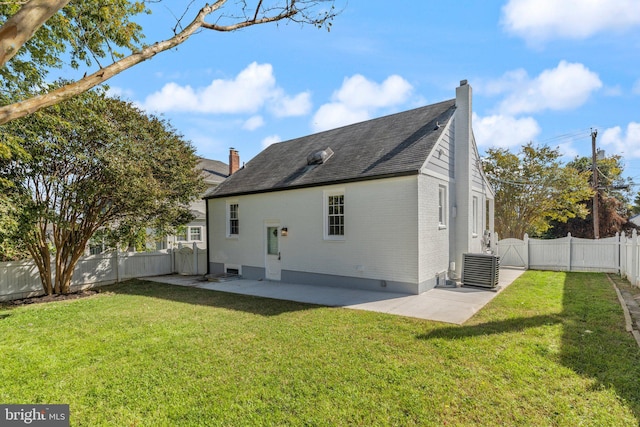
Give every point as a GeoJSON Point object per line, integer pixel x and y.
{"type": "Point", "coordinates": [206, 210]}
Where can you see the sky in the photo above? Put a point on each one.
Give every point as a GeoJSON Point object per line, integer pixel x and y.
{"type": "Point", "coordinates": [546, 71]}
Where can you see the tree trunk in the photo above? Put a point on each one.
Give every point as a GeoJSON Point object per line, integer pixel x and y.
{"type": "Point", "coordinates": [42, 258]}
{"type": "Point", "coordinates": [20, 27]}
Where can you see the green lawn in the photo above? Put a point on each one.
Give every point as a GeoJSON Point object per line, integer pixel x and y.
{"type": "Point", "coordinates": [550, 350]}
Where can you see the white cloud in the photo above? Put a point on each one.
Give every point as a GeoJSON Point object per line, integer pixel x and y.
{"type": "Point", "coordinates": [565, 87]}
{"type": "Point", "coordinates": [253, 123]}
{"type": "Point", "coordinates": [623, 143]}
{"type": "Point", "coordinates": [503, 131]}
{"type": "Point", "coordinates": [358, 92]}
{"type": "Point", "coordinates": [358, 98]}
{"type": "Point", "coordinates": [509, 82]}
{"type": "Point", "coordinates": [538, 21]}
{"type": "Point", "coordinates": [335, 114]}
{"type": "Point", "coordinates": [568, 150]}
{"type": "Point", "coordinates": [285, 106]}
{"type": "Point", "coordinates": [612, 90]}
{"type": "Point", "coordinates": [273, 139]}
{"type": "Point", "coordinates": [252, 89]}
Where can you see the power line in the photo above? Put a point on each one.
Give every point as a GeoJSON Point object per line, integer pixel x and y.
{"type": "Point", "coordinates": [566, 136]}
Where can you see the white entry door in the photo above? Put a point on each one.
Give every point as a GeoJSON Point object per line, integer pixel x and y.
{"type": "Point", "coordinates": [273, 267]}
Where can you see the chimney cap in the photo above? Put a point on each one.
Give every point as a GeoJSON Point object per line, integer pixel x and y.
{"type": "Point", "coordinates": [463, 82]}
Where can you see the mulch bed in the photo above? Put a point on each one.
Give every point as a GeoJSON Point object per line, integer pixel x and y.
{"type": "Point", "coordinates": [52, 298]}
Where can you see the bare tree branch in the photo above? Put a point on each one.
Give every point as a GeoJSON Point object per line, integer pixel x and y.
{"type": "Point", "coordinates": [289, 11]}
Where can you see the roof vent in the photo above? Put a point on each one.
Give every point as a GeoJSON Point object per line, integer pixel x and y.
{"type": "Point", "coordinates": [319, 157]}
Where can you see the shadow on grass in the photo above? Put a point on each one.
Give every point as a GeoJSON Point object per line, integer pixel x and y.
{"type": "Point", "coordinates": [192, 295]}
{"type": "Point", "coordinates": [496, 327]}
{"type": "Point", "coordinates": [594, 342]}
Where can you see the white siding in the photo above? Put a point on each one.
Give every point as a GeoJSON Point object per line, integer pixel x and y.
{"type": "Point", "coordinates": [380, 230]}
{"type": "Point", "coordinates": [477, 180]}
{"type": "Point", "coordinates": [441, 160]}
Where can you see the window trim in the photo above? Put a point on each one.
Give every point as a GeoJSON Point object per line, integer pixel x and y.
{"type": "Point", "coordinates": [442, 207]}
{"type": "Point", "coordinates": [228, 219]}
{"type": "Point", "coordinates": [475, 216]}
{"type": "Point", "coordinates": [198, 227]}
{"type": "Point", "coordinates": [325, 213]}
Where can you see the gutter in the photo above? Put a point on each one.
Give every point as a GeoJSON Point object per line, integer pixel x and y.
{"type": "Point", "coordinates": [315, 184]}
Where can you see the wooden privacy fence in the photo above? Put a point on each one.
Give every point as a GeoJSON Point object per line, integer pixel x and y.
{"type": "Point", "coordinates": [20, 279]}
{"type": "Point", "coordinates": [618, 254]}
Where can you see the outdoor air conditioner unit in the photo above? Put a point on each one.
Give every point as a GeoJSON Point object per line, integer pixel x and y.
{"type": "Point", "coordinates": [480, 270]}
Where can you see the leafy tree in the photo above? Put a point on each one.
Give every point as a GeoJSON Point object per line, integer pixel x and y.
{"type": "Point", "coordinates": [613, 200]}
{"type": "Point", "coordinates": [10, 249]}
{"type": "Point", "coordinates": [93, 163]}
{"type": "Point", "coordinates": [91, 30]}
{"type": "Point", "coordinates": [533, 189]}
{"type": "Point", "coordinates": [88, 31]}
{"type": "Point", "coordinates": [635, 208]}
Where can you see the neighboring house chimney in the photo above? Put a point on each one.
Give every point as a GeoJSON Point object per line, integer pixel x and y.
{"type": "Point", "coordinates": [234, 161]}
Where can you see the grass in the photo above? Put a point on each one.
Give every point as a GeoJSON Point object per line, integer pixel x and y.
{"type": "Point", "coordinates": [550, 350]}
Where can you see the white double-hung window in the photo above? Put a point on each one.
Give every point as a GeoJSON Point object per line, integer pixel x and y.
{"type": "Point", "coordinates": [334, 215]}
{"type": "Point", "coordinates": [233, 219]}
{"type": "Point", "coordinates": [474, 226]}
{"type": "Point", "coordinates": [195, 234]}
{"type": "Point", "coordinates": [442, 206]}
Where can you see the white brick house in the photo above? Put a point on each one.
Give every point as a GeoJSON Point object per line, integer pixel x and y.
{"type": "Point", "coordinates": [387, 204]}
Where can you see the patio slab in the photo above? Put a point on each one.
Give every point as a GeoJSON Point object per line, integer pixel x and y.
{"type": "Point", "coordinates": [450, 305]}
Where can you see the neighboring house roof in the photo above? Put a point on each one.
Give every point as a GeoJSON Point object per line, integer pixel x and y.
{"type": "Point", "coordinates": [197, 213]}
{"type": "Point", "coordinates": [394, 145]}
{"type": "Point", "coordinates": [635, 220]}
{"type": "Point", "coordinates": [213, 171]}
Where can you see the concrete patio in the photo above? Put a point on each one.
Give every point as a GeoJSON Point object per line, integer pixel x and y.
{"type": "Point", "coordinates": [450, 305]}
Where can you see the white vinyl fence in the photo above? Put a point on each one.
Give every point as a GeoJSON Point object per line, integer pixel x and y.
{"type": "Point", "coordinates": [618, 254]}
{"type": "Point", "coordinates": [20, 279]}
{"type": "Point", "coordinates": [190, 260]}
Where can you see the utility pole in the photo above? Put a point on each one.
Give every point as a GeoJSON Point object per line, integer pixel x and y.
{"type": "Point", "coordinates": [594, 170]}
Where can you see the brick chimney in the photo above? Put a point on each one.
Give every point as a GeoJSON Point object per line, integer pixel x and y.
{"type": "Point", "coordinates": [234, 161]}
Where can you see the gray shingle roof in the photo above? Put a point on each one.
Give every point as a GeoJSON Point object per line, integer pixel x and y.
{"type": "Point", "coordinates": [393, 145]}
{"type": "Point", "coordinates": [213, 171]}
